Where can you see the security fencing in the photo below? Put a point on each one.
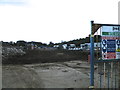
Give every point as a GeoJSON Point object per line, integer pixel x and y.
{"type": "Point", "coordinates": [108, 73]}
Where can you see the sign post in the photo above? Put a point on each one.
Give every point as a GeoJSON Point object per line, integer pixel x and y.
{"type": "Point", "coordinates": [92, 57]}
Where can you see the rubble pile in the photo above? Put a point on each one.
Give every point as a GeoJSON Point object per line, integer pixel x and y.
{"type": "Point", "coordinates": [10, 51]}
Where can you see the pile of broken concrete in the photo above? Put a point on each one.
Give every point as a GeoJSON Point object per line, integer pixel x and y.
{"type": "Point", "coordinates": [12, 51]}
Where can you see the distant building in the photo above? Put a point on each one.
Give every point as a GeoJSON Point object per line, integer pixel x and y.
{"type": "Point", "coordinates": [56, 46]}
{"type": "Point", "coordinates": [65, 46]}
{"type": "Point", "coordinates": [87, 46]}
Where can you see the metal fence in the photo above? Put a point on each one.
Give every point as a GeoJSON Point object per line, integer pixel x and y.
{"type": "Point", "coordinates": [108, 74]}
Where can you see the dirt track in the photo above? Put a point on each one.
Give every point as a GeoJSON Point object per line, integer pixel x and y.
{"type": "Point", "coordinates": [70, 74]}
{"type": "Point", "coordinates": [20, 77]}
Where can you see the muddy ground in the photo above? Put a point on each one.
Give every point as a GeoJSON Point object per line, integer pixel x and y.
{"type": "Point", "coordinates": [46, 69]}
{"type": "Point", "coordinates": [45, 56]}
{"type": "Point", "coordinates": [50, 69]}
{"type": "Point", "coordinates": [69, 74]}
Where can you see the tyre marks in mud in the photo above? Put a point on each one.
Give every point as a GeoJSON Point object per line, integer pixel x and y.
{"type": "Point", "coordinates": [20, 77]}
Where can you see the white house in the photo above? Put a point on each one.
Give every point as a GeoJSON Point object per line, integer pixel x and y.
{"type": "Point", "coordinates": [64, 46]}
{"type": "Point", "coordinates": [87, 45]}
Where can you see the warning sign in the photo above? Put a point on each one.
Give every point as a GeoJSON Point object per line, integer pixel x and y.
{"type": "Point", "coordinates": [111, 55]}
{"type": "Point", "coordinates": [111, 45]}
{"type": "Point", "coordinates": [110, 41]}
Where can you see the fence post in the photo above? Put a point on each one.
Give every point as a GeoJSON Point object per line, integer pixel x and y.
{"type": "Point", "coordinates": [119, 74]}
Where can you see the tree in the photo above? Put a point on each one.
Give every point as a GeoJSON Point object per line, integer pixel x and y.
{"type": "Point", "coordinates": [21, 43]}
{"type": "Point", "coordinates": [51, 44]}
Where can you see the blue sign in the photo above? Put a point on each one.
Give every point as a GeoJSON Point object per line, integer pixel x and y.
{"type": "Point", "coordinates": [111, 45]}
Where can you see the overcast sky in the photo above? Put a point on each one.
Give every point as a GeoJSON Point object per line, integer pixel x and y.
{"type": "Point", "coordinates": [53, 20]}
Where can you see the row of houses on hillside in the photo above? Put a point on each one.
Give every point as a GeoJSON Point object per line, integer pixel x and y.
{"type": "Point", "coordinates": [85, 46]}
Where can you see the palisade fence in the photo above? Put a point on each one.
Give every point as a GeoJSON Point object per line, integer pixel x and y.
{"type": "Point", "coordinates": [108, 74]}
{"type": "Point", "coordinates": [108, 63]}
{"type": "Point", "coordinates": [0, 65]}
